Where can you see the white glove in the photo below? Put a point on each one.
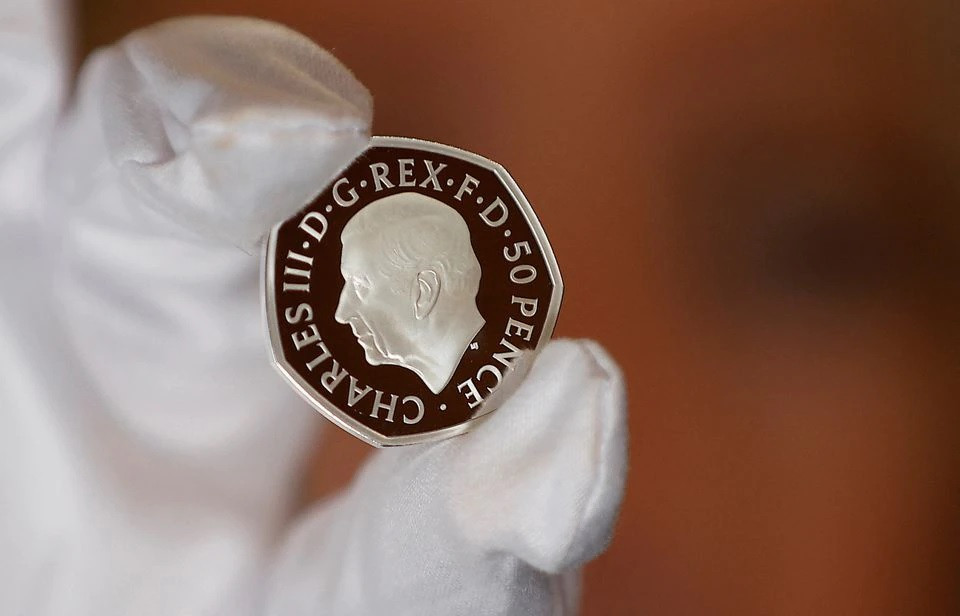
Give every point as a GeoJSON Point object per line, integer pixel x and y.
{"type": "Point", "coordinates": [149, 454]}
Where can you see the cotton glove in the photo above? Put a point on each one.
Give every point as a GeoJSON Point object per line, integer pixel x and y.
{"type": "Point", "coordinates": [149, 455]}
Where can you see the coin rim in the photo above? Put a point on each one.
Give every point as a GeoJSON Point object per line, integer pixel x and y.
{"type": "Point", "coordinates": [315, 398]}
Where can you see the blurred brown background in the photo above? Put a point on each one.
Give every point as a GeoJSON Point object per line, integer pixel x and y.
{"type": "Point", "coordinates": [754, 205]}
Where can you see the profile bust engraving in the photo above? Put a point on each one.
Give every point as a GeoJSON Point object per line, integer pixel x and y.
{"type": "Point", "coordinates": [410, 285]}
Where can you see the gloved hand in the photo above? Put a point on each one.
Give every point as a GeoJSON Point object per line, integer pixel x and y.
{"type": "Point", "coordinates": [149, 454]}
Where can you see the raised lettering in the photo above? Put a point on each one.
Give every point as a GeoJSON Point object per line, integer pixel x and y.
{"type": "Point", "coordinates": [296, 256]}
{"type": "Point", "coordinates": [356, 394]}
{"type": "Point", "coordinates": [523, 274]}
{"type": "Point", "coordinates": [332, 377]}
{"type": "Point", "coordinates": [497, 375]}
{"type": "Point", "coordinates": [301, 312]}
{"type": "Point", "coordinates": [406, 172]}
{"type": "Point", "coordinates": [308, 336]}
{"type": "Point", "coordinates": [528, 307]}
{"type": "Point", "coordinates": [319, 359]}
{"type": "Point", "coordinates": [469, 183]}
{"type": "Point", "coordinates": [469, 390]}
{"type": "Point", "coordinates": [417, 402]}
{"type": "Point", "coordinates": [506, 358]}
{"type": "Point", "coordinates": [433, 176]}
{"type": "Point", "coordinates": [518, 250]}
{"type": "Point", "coordinates": [379, 173]}
{"type": "Point", "coordinates": [520, 329]}
{"type": "Point", "coordinates": [339, 199]}
{"type": "Point", "coordinates": [292, 271]}
{"type": "Point", "coordinates": [500, 219]}
{"type": "Point", "coordinates": [305, 225]}
{"type": "Point", "coordinates": [389, 408]}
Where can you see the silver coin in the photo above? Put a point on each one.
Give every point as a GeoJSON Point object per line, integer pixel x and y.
{"type": "Point", "coordinates": [407, 301]}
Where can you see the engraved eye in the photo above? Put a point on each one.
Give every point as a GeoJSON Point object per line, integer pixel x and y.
{"type": "Point", "coordinates": [361, 286]}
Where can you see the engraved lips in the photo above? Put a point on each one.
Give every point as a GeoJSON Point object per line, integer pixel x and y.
{"type": "Point", "coordinates": [367, 339]}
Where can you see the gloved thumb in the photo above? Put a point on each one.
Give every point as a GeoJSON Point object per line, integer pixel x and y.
{"type": "Point", "coordinates": [188, 139]}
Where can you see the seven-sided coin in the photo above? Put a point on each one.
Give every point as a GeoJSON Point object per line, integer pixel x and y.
{"type": "Point", "coordinates": [409, 298]}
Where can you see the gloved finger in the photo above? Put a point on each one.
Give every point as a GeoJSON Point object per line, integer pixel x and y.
{"type": "Point", "coordinates": [33, 78]}
{"type": "Point", "coordinates": [494, 522]}
{"type": "Point", "coordinates": [188, 139]}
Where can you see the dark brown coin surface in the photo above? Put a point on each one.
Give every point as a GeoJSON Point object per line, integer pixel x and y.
{"type": "Point", "coordinates": [409, 298]}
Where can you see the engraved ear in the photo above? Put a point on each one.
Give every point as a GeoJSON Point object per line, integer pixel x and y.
{"type": "Point", "coordinates": [428, 290]}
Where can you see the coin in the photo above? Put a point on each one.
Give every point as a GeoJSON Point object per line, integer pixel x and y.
{"type": "Point", "coordinates": [407, 300]}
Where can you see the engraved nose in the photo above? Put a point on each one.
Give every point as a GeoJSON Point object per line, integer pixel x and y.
{"type": "Point", "coordinates": [342, 315]}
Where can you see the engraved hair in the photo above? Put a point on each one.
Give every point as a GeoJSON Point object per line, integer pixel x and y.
{"type": "Point", "coordinates": [416, 232]}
